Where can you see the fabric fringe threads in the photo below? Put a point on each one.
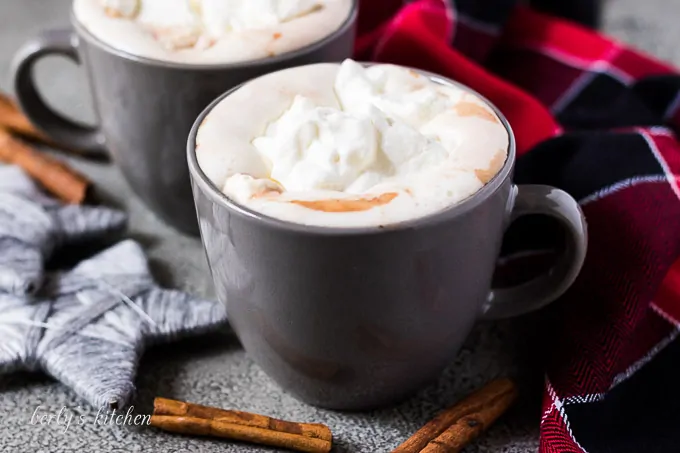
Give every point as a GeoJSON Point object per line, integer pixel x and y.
{"type": "Point", "coordinates": [86, 327]}
{"type": "Point", "coordinates": [33, 226]}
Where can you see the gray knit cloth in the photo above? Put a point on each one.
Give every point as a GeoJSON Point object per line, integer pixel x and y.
{"type": "Point", "coordinates": [88, 327]}
{"type": "Point", "coordinates": [33, 226]}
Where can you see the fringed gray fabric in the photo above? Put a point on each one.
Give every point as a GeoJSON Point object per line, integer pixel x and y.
{"type": "Point", "coordinates": [88, 327]}
{"type": "Point", "coordinates": [33, 225]}
{"type": "Point", "coordinates": [19, 336]}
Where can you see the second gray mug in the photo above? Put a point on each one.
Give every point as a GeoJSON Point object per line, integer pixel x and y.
{"type": "Point", "coordinates": [146, 108]}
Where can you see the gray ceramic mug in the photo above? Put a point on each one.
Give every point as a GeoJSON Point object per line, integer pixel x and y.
{"type": "Point", "coordinates": [146, 107]}
{"type": "Point", "coordinates": [360, 318]}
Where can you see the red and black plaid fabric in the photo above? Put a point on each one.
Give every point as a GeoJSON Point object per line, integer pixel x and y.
{"type": "Point", "coordinates": [598, 120]}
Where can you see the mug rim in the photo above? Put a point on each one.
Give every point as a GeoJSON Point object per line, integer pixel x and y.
{"type": "Point", "coordinates": [209, 189]}
{"type": "Point", "coordinates": [83, 32]}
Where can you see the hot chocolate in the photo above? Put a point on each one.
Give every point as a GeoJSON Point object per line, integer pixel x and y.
{"type": "Point", "coordinates": [349, 146]}
{"type": "Point", "coordinates": [211, 31]}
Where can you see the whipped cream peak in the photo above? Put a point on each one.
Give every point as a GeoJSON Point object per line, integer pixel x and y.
{"type": "Point", "coordinates": [222, 16]}
{"type": "Point", "coordinates": [173, 23]}
{"type": "Point", "coordinates": [353, 147]}
{"type": "Point", "coordinates": [315, 147]}
{"type": "Point", "coordinates": [401, 93]}
{"type": "Point", "coordinates": [127, 9]}
{"type": "Point", "coordinates": [211, 31]}
{"type": "Point", "coordinates": [348, 145]}
{"type": "Point", "coordinates": [179, 24]}
{"type": "Point", "coordinates": [217, 16]}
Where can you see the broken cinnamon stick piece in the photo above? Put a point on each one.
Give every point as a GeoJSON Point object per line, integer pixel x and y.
{"type": "Point", "coordinates": [57, 177]}
{"type": "Point", "coordinates": [164, 406]}
{"type": "Point", "coordinates": [454, 428]}
{"type": "Point", "coordinates": [219, 428]}
{"type": "Point", "coordinates": [13, 119]}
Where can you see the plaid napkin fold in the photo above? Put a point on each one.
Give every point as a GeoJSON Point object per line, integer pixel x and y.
{"type": "Point", "coordinates": [598, 120]}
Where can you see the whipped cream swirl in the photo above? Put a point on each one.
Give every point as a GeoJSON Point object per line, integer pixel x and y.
{"type": "Point", "coordinates": [211, 31]}
{"type": "Point", "coordinates": [373, 145]}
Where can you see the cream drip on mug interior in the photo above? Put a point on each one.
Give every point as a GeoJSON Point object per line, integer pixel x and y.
{"type": "Point", "coordinates": [211, 31]}
{"type": "Point", "coordinates": [349, 146]}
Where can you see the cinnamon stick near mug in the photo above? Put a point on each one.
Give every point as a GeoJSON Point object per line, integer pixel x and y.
{"type": "Point", "coordinates": [457, 426]}
{"type": "Point", "coordinates": [58, 178]}
{"type": "Point", "coordinates": [12, 119]}
{"type": "Point", "coordinates": [195, 419]}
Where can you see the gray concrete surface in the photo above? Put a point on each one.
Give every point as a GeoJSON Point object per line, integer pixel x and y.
{"type": "Point", "coordinates": [214, 370]}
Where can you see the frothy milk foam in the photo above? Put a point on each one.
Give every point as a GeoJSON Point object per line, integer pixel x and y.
{"type": "Point", "coordinates": [347, 146]}
{"type": "Point", "coordinates": [211, 31]}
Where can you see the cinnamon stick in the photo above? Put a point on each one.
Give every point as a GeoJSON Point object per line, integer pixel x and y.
{"type": "Point", "coordinates": [164, 406]}
{"type": "Point", "coordinates": [12, 119]}
{"type": "Point", "coordinates": [63, 181]}
{"type": "Point", "coordinates": [207, 427]}
{"type": "Point", "coordinates": [457, 426]}
{"type": "Point", "coordinates": [188, 418]}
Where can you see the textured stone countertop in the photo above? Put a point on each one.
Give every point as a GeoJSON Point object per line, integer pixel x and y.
{"type": "Point", "coordinates": [215, 370]}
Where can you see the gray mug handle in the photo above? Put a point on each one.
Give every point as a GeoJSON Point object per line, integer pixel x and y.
{"type": "Point", "coordinates": [61, 130]}
{"type": "Point", "coordinates": [545, 288]}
